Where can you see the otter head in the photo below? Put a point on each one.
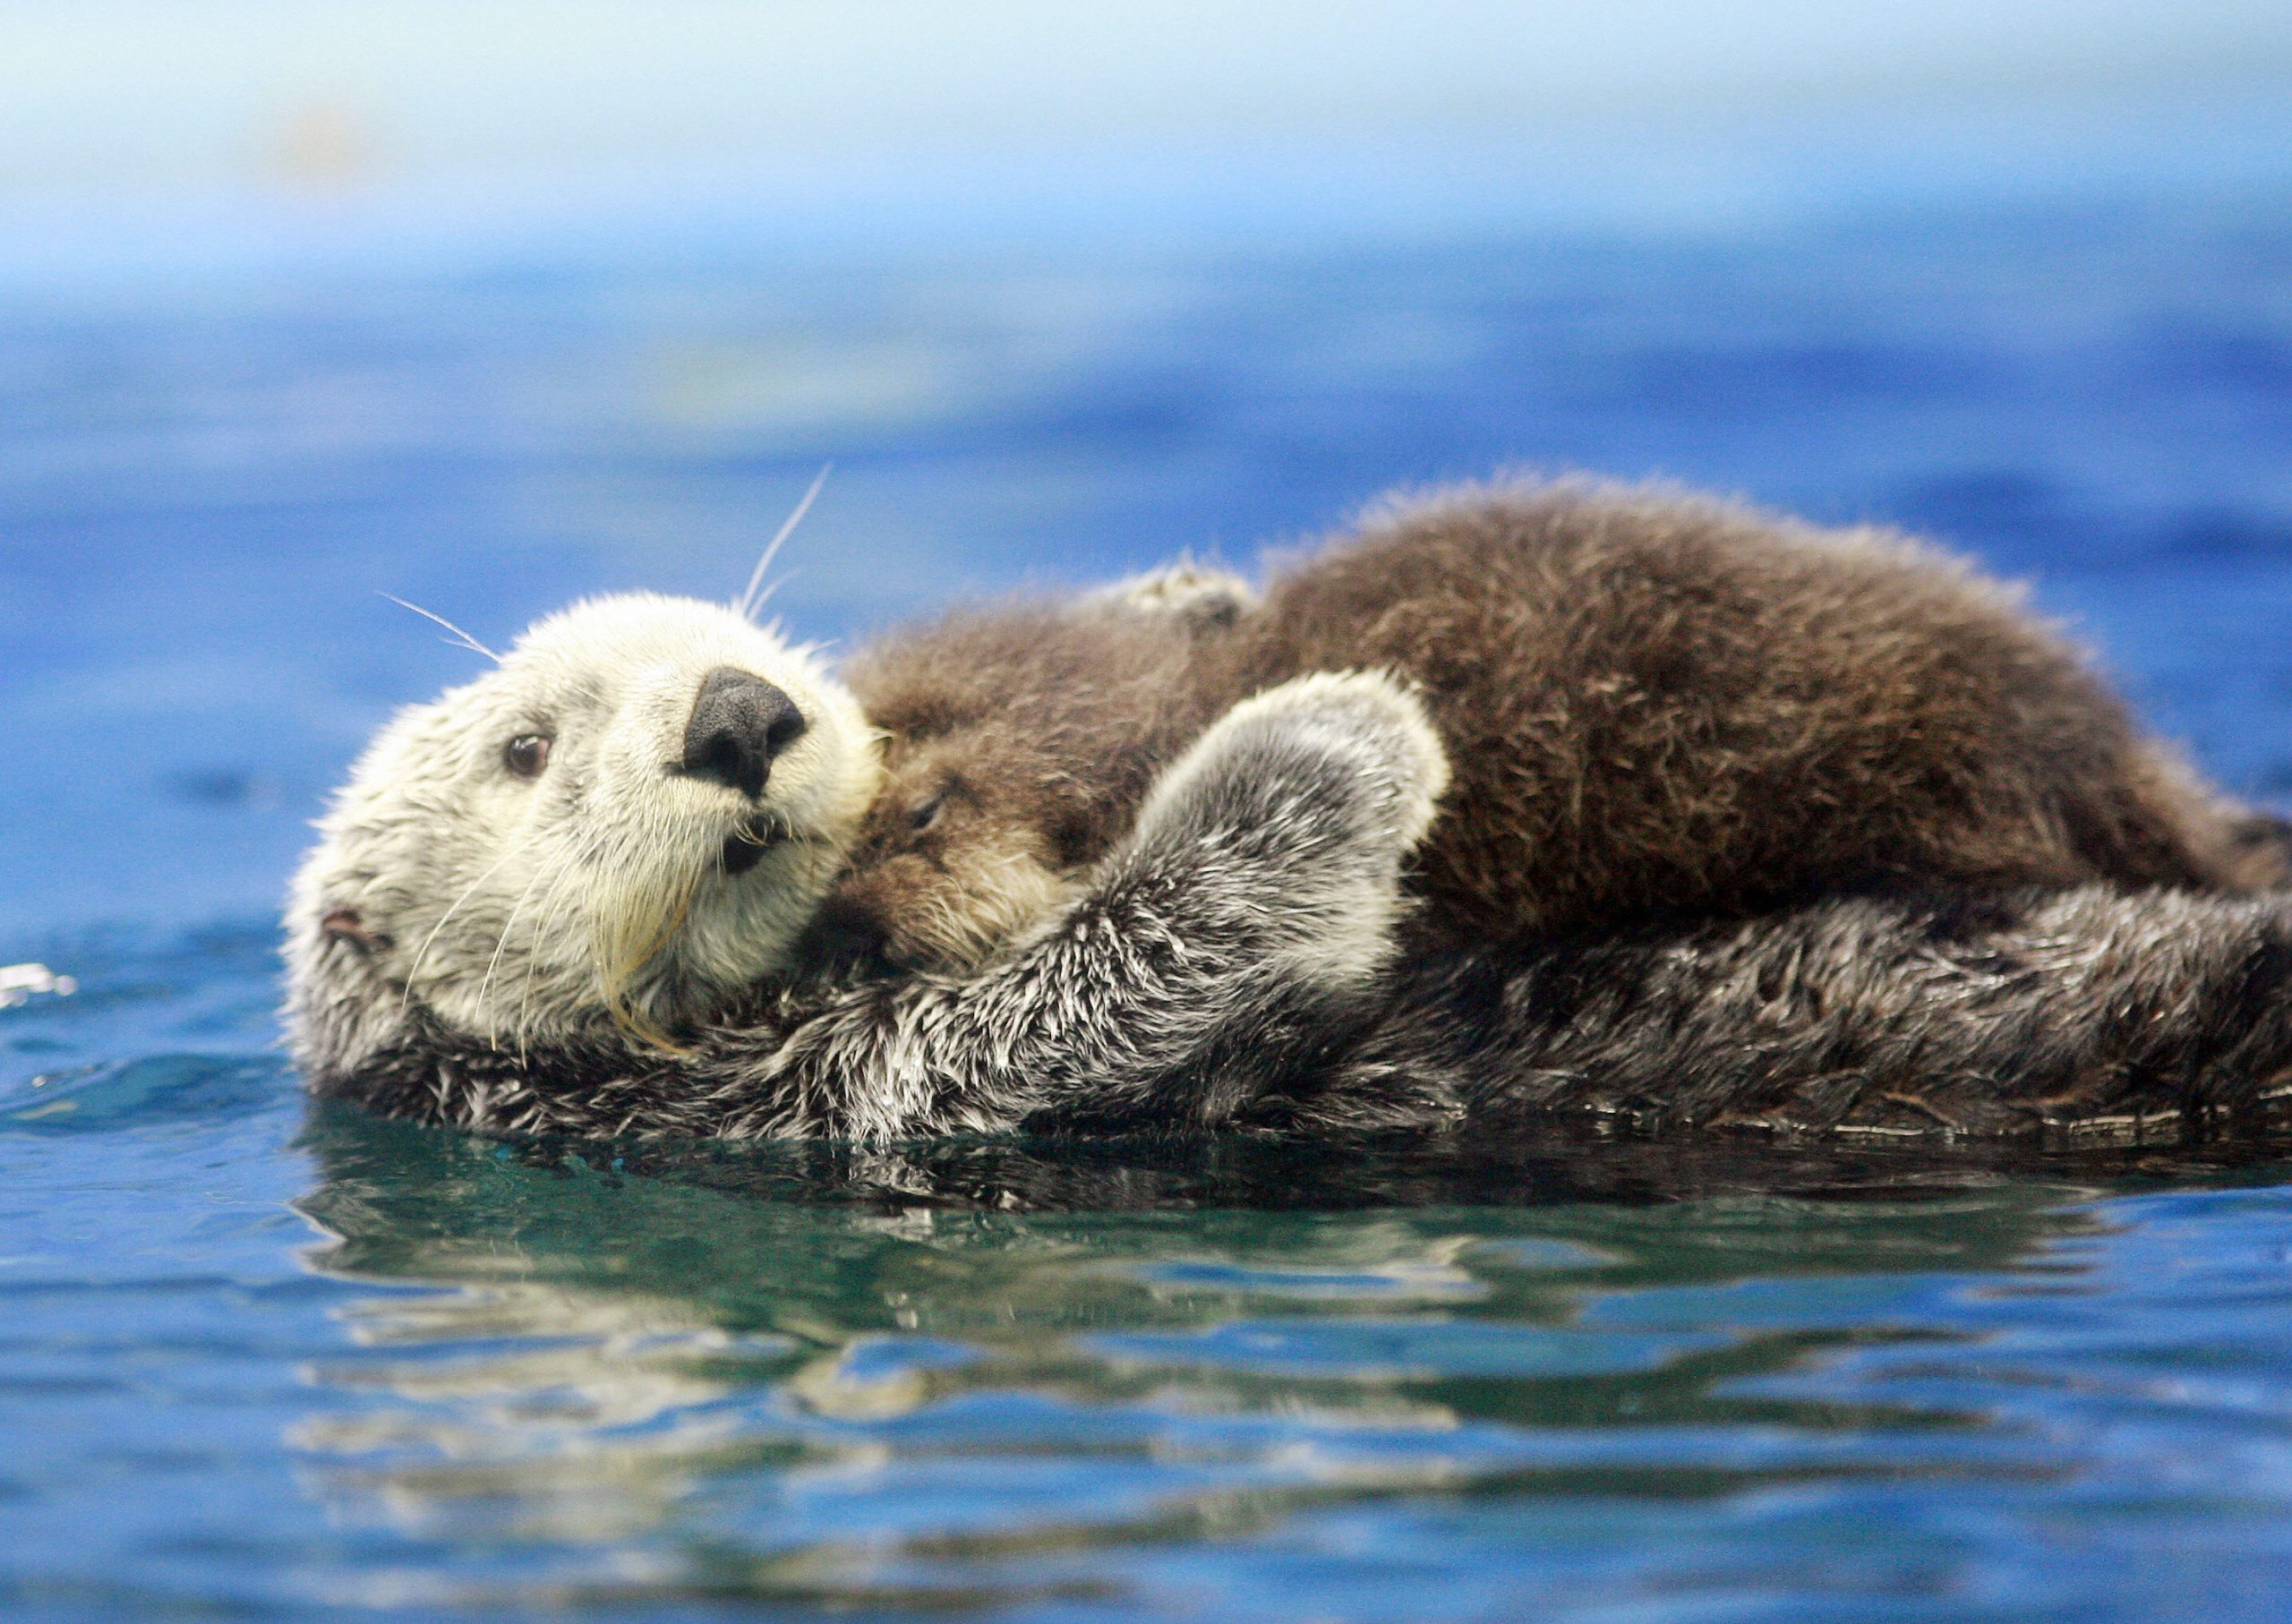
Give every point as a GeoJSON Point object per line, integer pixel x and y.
{"type": "Point", "coordinates": [1020, 740]}
{"type": "Point", "coordinates": [628, 822]}
{"type": "Point", "coordinates": [976, 834]}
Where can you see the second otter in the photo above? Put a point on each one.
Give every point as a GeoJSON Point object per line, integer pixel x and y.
{"type": "Point", "coordinates": [1654, 706]}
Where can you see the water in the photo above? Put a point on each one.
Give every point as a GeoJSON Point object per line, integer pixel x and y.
{"type": "Point", "coordinates": [257, 1359]}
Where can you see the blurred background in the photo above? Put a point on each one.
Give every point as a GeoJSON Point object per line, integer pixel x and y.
{"type": "Point", "coordinates": [494, 302]}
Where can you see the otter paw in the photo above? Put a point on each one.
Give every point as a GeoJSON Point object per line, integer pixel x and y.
{"type": "Point", "coordinates": [1196, 594]}
{"type": "Point", "coordinates": [1371, 722]}
{"type": "Point", "coordinates": [1349, 756]}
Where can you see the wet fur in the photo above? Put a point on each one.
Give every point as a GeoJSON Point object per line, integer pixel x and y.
{"type": "Point", "coordinates": [1656, 707]}
{"type": "Point", "coordinates": [2085, 1015]}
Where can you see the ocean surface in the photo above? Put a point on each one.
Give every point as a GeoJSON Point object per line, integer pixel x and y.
{"type": "Point", "coordinates": [258, 1359]}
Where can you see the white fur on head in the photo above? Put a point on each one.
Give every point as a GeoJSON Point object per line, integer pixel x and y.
{"type": "Point", "coordinates": [517, 908]}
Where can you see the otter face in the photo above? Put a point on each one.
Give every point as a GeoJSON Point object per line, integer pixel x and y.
{"type": "Point", "coordinates": [976, 835]}
{"type": "Point", "coordinates": [629, 820]}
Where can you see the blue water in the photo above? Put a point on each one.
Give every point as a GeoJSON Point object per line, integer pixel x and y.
{"type": "Point", "coordinates": [257, 1359]}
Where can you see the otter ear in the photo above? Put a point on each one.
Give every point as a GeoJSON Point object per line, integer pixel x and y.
{"type": "Point", "coordinates": [346, 924]}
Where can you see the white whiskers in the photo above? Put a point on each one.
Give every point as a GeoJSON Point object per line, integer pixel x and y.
{"type": "Point", "coordinates": [753, 599]}
{"type": "Point", "coordinates": [423, 953]}
{"type": "Point", "coordinates": [486, 981]}
{"type": "Point", "coordinates": [460, 637]}
{"type": "Point", "coordinates": [566, 889]}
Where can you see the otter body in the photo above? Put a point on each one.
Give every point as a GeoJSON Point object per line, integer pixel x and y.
{"type": "Point", "coordinates": [1668, 707]}
{"type": "Point", "coordinates": [567, 898]}
{"type": "Point", "coordinates": [2083, 1016]}
{"type": "Point", "coordinates": [1235, 964]}
{"type": "Point", "coordinates": [1654, 707]}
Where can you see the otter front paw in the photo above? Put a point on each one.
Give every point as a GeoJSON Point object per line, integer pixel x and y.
{"type": "Point", "coordinates": [1364, 719]}
{"type": "Point", "coordinates": [1288, 821]}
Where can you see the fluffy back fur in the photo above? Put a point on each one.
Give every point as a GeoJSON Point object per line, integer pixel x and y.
{"type": "Point", "coordinates": [1656, 706]}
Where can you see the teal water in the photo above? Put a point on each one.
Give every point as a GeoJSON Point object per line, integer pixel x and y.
{"type": "Point", "coordinates": [263, 1360]}
{"type": "Point", "coordinates": [259, 1360]}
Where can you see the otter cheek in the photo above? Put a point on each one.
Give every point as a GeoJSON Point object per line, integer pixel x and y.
{"type": "Point", "coordinates": [890, 914]}
{"type": "Point", "coordinates": [876, 914]}
{"type": "Point", "coordinates": [961, 918]}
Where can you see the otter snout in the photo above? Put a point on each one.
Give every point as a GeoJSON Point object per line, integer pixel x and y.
{"type": "Point", "coordinates": [740, 724]}
{"type": "Point", "coordinates": [845, 938]}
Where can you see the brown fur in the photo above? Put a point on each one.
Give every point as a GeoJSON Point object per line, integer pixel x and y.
{"type": "Point", "coordinates": [1654, 706]}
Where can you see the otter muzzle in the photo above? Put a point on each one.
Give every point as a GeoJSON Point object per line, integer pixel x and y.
{"type": "Point", "coordinates": [740, 724]}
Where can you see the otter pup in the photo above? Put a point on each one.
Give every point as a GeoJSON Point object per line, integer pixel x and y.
{"type": "Point", "coordinates": [1654, 706]}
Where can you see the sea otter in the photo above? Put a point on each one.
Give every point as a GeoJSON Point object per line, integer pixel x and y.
{"type": "Point", "coordinates": [1233, 963]}
{"type": "Point", "coordinates": [1656, 706]}
{"type": "Point", "coordinates": [594, 858]}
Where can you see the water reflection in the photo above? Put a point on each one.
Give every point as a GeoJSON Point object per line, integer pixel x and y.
{"type": "Point", "coordinates": [991, 1373]}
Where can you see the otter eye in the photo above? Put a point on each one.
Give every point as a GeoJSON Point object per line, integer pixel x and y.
{"type": "Point", "coordinates": [526, 755]}
{"type": "Point", "coordinates": [926, 813]}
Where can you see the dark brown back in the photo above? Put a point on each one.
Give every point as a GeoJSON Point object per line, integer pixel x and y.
{"type": "Point", "coordinates": [1654, 706]}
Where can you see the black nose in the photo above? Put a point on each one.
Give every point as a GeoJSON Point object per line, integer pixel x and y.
{"type": "Point", "coordinates": [739, 723]}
